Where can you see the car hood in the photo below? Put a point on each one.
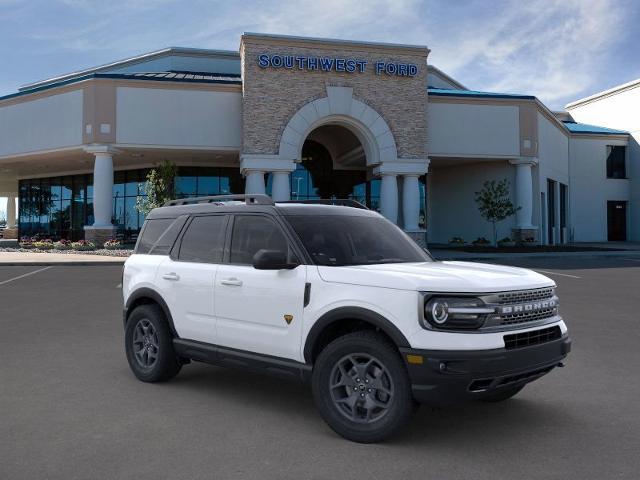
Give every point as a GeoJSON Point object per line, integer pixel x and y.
{"type": "Point", "coordinates": [460, 277]}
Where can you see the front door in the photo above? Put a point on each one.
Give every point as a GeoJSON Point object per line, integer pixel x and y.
{"type": "Point", "coordinates": [259, 310]}
{"type": "Point", "coordinates": [187, 279]}
{"type": "Point", "coordinates": [617, 221]}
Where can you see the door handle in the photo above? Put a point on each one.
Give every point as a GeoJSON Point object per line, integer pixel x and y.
{"type": "Point", "coordinates": [232, 282]}
{"type": "Point", "coordinates": [171, 276]}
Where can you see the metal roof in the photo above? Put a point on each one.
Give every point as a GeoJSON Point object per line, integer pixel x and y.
{"type": "Point", "coordinates": [575, 127]}
{"type": "Point", "coordinates": [176, 75]}
{"type": "Point", "coordinates": [131, 61]}
{"type": "Point", "coordinates": [187, 77]}
{"type": "Point", "coordinates": [445, 92]}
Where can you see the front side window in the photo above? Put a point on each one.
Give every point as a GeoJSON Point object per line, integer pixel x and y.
{"type": "Point", "coordinates": [203, 242]}
{"type": "Point", "coordinates": [616, 161]}
{"type": "Point", "coordinates": [339, 240]}
{"type": "Point", "coordinates": [252, 233]}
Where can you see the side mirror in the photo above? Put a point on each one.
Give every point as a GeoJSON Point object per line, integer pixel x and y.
{"type": "Point", "coordinates": [272, 260]}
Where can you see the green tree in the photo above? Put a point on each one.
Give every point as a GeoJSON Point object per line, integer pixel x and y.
{"type": "Point", "coordinates": [160, 187]}
{"type": "Point", "coordinates": [494, 203]}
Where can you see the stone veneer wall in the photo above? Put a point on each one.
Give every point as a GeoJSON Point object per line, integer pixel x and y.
{"type": "Point", "coordinates": [271, 96]}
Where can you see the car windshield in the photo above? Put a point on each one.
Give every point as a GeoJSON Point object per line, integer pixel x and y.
{"type": "Point", "coordinates": [339, 240]}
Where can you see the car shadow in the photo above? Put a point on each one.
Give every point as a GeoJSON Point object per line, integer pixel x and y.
{"type": "Point", "coordinates": [474, 425]}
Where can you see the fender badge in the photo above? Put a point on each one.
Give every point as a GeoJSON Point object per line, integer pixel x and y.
{"type": "Point", "coordinates": [288, 318]}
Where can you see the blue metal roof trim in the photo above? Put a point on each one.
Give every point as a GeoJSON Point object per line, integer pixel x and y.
{"type": "Point", "coordinates": [445, 92]}
{"type": "Point", "coordinates": [575, 127]}
{"type": "Point", "coordinates": [227, 79]}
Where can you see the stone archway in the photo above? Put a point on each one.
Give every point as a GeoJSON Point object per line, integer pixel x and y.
{"type": "Point", "coordinates": [340, 108]}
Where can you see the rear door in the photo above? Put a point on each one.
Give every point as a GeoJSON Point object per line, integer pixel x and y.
{"type": "Point", "coordinates": [259, 310]}
{"type": "Point", "coordinates": [187, 277]}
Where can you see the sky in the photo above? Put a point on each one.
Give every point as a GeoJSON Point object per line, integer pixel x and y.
{"type": "Point", "coordinates": [558, 50]}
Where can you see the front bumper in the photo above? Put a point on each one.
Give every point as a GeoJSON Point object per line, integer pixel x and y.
{"type": "Point", "coordinates": [442, 377]}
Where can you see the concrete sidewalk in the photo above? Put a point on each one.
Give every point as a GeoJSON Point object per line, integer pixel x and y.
{"type": "Point", "coordinates": [36, 259]}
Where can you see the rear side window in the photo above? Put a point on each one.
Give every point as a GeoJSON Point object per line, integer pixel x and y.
{"type": "Point", "coordinates": [252, 233]}
{"type": "Point", "coordinates": [164, 244]}
{"type": "Point", "coordinates": [152, 231]}
{"type": "Point", "coordinates": [203, 242]}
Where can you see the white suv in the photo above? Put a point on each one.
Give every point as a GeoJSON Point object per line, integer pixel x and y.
{"type": "Point", "coordinates": [336, 296]}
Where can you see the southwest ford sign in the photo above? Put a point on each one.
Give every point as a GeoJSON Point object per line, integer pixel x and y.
{"type": "Point", "coordinates": [335, 64]}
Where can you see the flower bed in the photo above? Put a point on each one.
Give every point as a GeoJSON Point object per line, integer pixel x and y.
{"type": "Point", "coordinates": [113, 244]}
{"type": "Point", "coordinates": [83, 246]}
{"type": "Point", "coordinates": [112, 247]}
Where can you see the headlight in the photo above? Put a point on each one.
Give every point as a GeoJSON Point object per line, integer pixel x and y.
{"type": "Point", "coordinates": [455, 313]}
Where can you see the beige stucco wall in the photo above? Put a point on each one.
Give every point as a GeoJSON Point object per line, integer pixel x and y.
{"type": "Point", "coordinates": [44, 123]}
{"type": "Point", "coordinates": [272, 96]}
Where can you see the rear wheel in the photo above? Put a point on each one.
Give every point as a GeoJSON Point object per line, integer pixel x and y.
{"type": "Point", "coordinates": [502, 394]}
{"type": "Point", "coordinates": [149, 345]}
{"type": "Point", "coordinates": [361, 387]}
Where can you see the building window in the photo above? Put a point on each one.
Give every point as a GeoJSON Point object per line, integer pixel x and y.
{"type": "Point", "coordinates": [60, 207]}
{"type": "Point", "coordinates": [616, 161]}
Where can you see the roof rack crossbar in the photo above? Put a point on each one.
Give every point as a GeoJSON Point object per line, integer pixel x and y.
{"type": "Point", "coordinates": [250, 199]}
{"type": "Point", "coordinates": [342, 202]}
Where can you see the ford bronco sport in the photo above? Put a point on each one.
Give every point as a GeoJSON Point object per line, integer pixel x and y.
{"type": "Point", "coordinates": [338, 297]}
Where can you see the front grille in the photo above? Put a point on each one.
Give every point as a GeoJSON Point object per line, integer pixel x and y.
{"type": "Point", "coordinates": [524, 317]}
{"type": "Point", "coordinates": [533, 337]}
{"type": "Point", "coordinates": [521, 296]}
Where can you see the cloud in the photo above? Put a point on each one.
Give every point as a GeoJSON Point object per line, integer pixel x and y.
{"type": "Point", "coordinates": [558, 50]}
{"type": "Point", "coordinates": [553, 49]}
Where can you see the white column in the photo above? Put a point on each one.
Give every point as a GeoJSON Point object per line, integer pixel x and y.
{"type": "Point", "coordinates": [524, 192]}
{"type": "Point", "coordinates": [103, 189]}
{"type": "Point", "coordinates": [11, 212]}
{"type": "Point", "coordinates": [280, 190]}
{"type": "Point", "coordinates": [254, 182]}
{"type": "Point", "coordinates": [558, 232]}
{"type": "Point", "coordinates": [389, 197]}
{"type": "Point", "coordinates": [411, 202]}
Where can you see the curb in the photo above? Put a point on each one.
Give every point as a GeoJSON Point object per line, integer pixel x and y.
{"type": "Point", "coordinates": [72, 263]}
{"type": "Point", "coordinates": [509, 256]}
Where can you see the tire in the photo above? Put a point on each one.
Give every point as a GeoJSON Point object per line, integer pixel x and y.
{"type": "Point", "coordinates": [502, 394]}
{"type": "Point", "coordinates": [147, 331]}
{"type": "Point", "coordinates": [371, 397]}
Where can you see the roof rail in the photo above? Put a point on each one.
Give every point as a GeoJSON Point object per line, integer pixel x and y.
{"type": "Point", "coordinates": [250, 199]}
{"type": "Point", "coordinates": [342, 202]}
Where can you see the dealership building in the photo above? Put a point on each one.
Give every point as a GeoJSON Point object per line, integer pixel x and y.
{"type": "Point", "coordinates": [307, 118]}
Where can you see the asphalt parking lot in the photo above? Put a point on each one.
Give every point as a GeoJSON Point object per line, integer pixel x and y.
{"type": "Point", "coordinates": [70, 408]}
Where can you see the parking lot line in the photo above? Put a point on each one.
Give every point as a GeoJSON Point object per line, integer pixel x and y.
{"type": "Point", "coordinates": [25, 275]}
{"type": "Point", "coordinates": [556, 273]}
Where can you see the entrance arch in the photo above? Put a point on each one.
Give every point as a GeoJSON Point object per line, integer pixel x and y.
{"type": "Point", "coordinates": [340, 108]}
{"type": "Point", "coordinates": [333, 165]}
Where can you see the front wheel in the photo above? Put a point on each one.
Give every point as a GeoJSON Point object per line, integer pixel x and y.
{"type": "Point", "coordinates": [149, 345]}
{"type": "Point", "coordinates": [361, 387]}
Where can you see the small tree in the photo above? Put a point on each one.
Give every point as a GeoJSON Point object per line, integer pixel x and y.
{"type": "Point", "coordinates": [160, 187]}
{"type": "Point", "coordinates": [494, 203]}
